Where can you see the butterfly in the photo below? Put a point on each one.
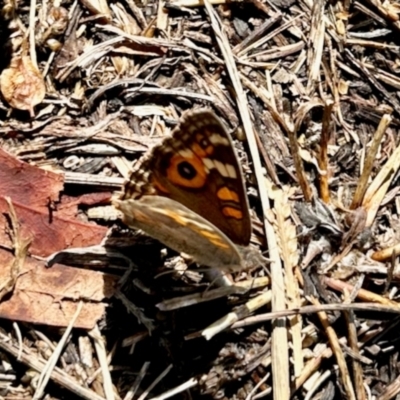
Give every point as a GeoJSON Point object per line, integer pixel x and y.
{"type": "Point", "coordinates": [189, 194]}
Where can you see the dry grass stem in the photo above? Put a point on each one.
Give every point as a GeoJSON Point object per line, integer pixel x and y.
{"type": "Point", "coordinates": [337, 351]}
{"type": "Point", "coordinates": [369, 161]}
{"type": "Point", "coordinates": [48, 369]}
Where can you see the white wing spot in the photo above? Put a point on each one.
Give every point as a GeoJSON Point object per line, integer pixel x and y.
{"type": "Point", "coordinates": [208, 163]}
{"type": "Point", "coordinates": [231, 171]}
{"type": "Point", "coordinates": [218, 139]}
{"type": "Point", "coordinates": [186, 153]}
{"type": "Point", "coordinates": [221, 168]}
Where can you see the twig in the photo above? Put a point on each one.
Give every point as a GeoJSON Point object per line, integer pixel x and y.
{"type": "Point", "coordinates": [51, 363]}
{"type": "Point", "coordinates": [337, 351]}
{"type": "Point", "coordinates": [197, 298]}
{"type": "Point", "coordinates": [38, 364]}
{"type": "Point", "coordinates": [316, 43]}
{"type": "Point", "coordinates": [176, 390]}
{"type": "Point", "coordinates": [356, 365]}
{"type": "Point", "coordinates": [133, 389]}
{"type": "Point", "coordinates": [234, 316]}
{"type": "Point", "coordinates": [102, 357]}
{"type": "Point", "coordinates": [32, 41]}
{"type": "Point", "coordinates": [155, 382]}
{"type": "Point", "coordinates": [383, 307]}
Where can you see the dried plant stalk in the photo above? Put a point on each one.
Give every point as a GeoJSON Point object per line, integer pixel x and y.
{"type": "Point", "coordinates": [369, 161]}
{"type": "Point", "coordinates": [316, 43]}
{"type": "Point", "coordinates": [335, 346]}
{"type": "Point", "coordinates": [287, 242]}
{"type": "Point", "coordinates": [323, 156]}
{"type": "Point", "coordinates": [279, 350]}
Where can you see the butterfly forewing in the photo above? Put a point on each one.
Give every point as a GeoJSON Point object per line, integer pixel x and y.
{"type": "Point", "coordinates": [197, 167]}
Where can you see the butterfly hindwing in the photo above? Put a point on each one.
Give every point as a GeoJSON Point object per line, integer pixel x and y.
{"type": "Point", "coordinates": [182, 230]}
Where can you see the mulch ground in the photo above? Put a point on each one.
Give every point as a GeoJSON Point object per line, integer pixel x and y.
{"type": "Point", "coordinates": [309, 92]}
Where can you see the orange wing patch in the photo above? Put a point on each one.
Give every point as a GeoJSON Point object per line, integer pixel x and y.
{"type": "Point", "coordinates": [231, 212]}
{"type": "Point", "coordinates": [200, 151]}
{"type": "Point", "coordinates": [227, 195]}
{"type": "Point", "coordinates": [179, 219]}
{"type": "Point", "coordinates": [215, 239]}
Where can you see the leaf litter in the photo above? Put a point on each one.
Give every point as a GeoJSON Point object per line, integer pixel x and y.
{"type": "Point", "coordinates": [309, 92]}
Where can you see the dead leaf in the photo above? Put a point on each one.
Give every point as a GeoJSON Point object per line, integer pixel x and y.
{"type": "Point", "coordinates": [34, 293]}
{"type": "Point", "coordinates": [48, 295]}
{"type": "Point", "coordinates": [49, 234]}
{"type": "Point", "coordinates": [32, 190]}
{"type": "Point", "coordinates": [27, 184]}
{"type": "Point", "coordinates": [22, 84]}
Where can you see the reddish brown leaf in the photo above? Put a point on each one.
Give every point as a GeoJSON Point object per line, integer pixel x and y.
{"type": "Point", "coordinates": [49, 295]}
{"type": "Point", "coordinates": [27, 184]}
{"type": "Point", "coordinates": [49, 234]}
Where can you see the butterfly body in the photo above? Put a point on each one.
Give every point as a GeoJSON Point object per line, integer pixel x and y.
{"type": "Point", "coordinates": [189, 193]}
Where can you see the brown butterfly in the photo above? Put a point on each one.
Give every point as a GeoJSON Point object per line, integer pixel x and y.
{"type": "Point", "coordinates": [189, 194]}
